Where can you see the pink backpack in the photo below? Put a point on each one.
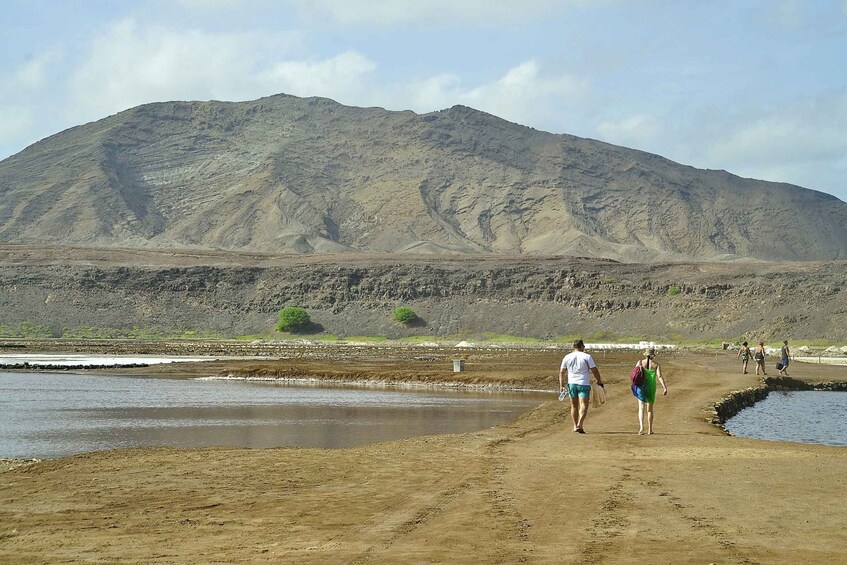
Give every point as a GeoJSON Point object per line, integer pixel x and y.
{"type": "Point", "coordinates": [636, 377]}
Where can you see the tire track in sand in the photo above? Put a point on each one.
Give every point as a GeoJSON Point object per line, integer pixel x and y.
{"type": "Point", "coordinates": [514, 529]}
{"type": "Point", "coordinates": [410, 512]}
{"type": "Point", "coordinates": [704, 526]}
{"type": "Point", "coordinates": [611, 521]}
{"type": "Point", "coordinates": [399, 518]}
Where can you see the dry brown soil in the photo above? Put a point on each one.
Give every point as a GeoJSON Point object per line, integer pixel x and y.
{"type": "Point", "coordinates": [530, 491]}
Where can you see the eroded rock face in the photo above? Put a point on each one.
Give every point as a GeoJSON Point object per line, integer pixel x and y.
{"type": "Point", "coordinates": [285, 174]}
{"type": "Point", "coordinates": [355, 295]}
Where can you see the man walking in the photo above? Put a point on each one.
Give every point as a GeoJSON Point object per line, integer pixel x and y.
{"type": "Point", "coordinates": [578, 365]}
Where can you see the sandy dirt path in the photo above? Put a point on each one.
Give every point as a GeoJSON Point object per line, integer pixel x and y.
{"type": "Point", "coordinates": [530, 491]}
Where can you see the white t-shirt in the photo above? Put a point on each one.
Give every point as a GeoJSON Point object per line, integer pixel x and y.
{"type": "Point", "coordinates": [578, 364]}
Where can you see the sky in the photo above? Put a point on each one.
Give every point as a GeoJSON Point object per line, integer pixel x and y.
{"type": "Point", "coordinates": [754, 87]}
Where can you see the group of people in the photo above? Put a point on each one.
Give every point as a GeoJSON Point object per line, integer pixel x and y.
{"type": "Point", "coordinates": [578, 366]}
{"type": "Point", "coordinates": [759, 356]}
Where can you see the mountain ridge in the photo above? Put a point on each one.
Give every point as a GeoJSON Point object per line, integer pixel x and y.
{"type": "Point", "coordinates": [291, 175]}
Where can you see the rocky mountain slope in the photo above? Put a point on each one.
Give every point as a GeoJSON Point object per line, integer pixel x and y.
{"type": "Point", "coordinates": [354, 295]}
{"type": "Point", "coordinates": [285, 174]}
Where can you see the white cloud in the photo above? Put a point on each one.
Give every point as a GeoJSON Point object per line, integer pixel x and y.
{"type": "Point", "coordinates": [780, 140]}
{"type": "Point", "coordinates": [130, 65]}
{"type": "Point", "coordinates": [213, 5]}
{"type": "Point", "coordinates": [524, 94]}
{"type": "Point", "coordinates": [804, 143]}
{"type": "Point", "coordinates": [390, 12]}
{"type": "Point", "coordinates": [633, 131]}
{"type": "Point", "coordinates": [14, 121]}
{"type": "Point", "coordinates": [30, 76]}
{"type": "Point", "coordinates": [398, 11]}
{"type": "Point", "coordinates": [433, 93]}
{"type": "Point", "coordinates": [33, 74]}
{"type": "Point", "coordinates": [790, 13]}
{"type": "Point", "coordinates": [338, 77]}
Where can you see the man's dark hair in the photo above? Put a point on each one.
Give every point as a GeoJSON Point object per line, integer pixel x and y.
{"type": "Point", "coordinates": [579, 345]}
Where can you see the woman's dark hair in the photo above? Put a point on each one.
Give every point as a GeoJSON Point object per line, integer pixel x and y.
{"type": "Point", "coordinates": [744, 344]}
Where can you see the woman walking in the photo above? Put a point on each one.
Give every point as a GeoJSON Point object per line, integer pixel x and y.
{"type": "Point", "coordinates": [759, 358]}
{"type": "Point", "coordinates": [744, 354]}
{"type": "Point", "coordinates": [646, 392]}
{"type": "Point", "coordinates": [785, 355]}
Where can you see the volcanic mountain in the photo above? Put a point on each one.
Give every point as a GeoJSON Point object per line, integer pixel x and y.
{"type": "Point", "coordinates": [286, 174]}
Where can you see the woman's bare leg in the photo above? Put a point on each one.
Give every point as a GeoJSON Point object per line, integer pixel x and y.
{"type": "Point", "coordinates": [640, 418]}
{"type": "Point", "coordinates": [649, 418]}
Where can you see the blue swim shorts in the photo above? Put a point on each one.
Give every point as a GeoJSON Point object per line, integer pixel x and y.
{"type": "Point", "coordinates": [784, 362]}
{"type": "Point", "coordinates": [579, 391]}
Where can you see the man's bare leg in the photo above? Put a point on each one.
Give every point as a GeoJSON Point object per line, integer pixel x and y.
{"type": "Point", "coordinates": [575, 413]}
{"type": "Point", "coordinates": [583, 412]}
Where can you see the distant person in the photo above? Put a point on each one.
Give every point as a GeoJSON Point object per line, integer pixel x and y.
{"type": "Point", "coordinates": [784, 353]}
{"type": "Point", "coordinates": [579, 366]}
{"type": "Point", "coordinates": [744, 354]}
{"type": "Point", "coordinates": [759, 358]}
{"type": "Point", "coordinates": [646, 392]}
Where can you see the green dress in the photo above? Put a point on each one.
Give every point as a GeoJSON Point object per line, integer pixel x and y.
{"type": "Point", "coordinates": [647, 391]}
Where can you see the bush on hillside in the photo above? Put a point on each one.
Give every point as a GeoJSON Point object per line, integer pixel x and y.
{"type": "Point", "coordinates": [405, 315]}
{"type": "Point", "coordinates": [293, 319]}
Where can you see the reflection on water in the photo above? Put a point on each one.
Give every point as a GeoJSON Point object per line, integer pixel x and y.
{"type": "Point", "coordinates": [803, 416]}
{"type": "Point", "coordinates": [51, 415]}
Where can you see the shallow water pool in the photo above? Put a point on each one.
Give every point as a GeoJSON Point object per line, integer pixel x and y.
{"type": "Point", "coordinates": [51, 415]}
{"type": "Point", "coordinates": [801, 416]}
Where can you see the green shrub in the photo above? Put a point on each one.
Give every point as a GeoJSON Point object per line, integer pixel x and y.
{"type": "Point", "coordinates": [405, 315]}
{"type": "Point", "coordinates": [293, 319]}
{"type": "Point", "coordinates": [674, 290]}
